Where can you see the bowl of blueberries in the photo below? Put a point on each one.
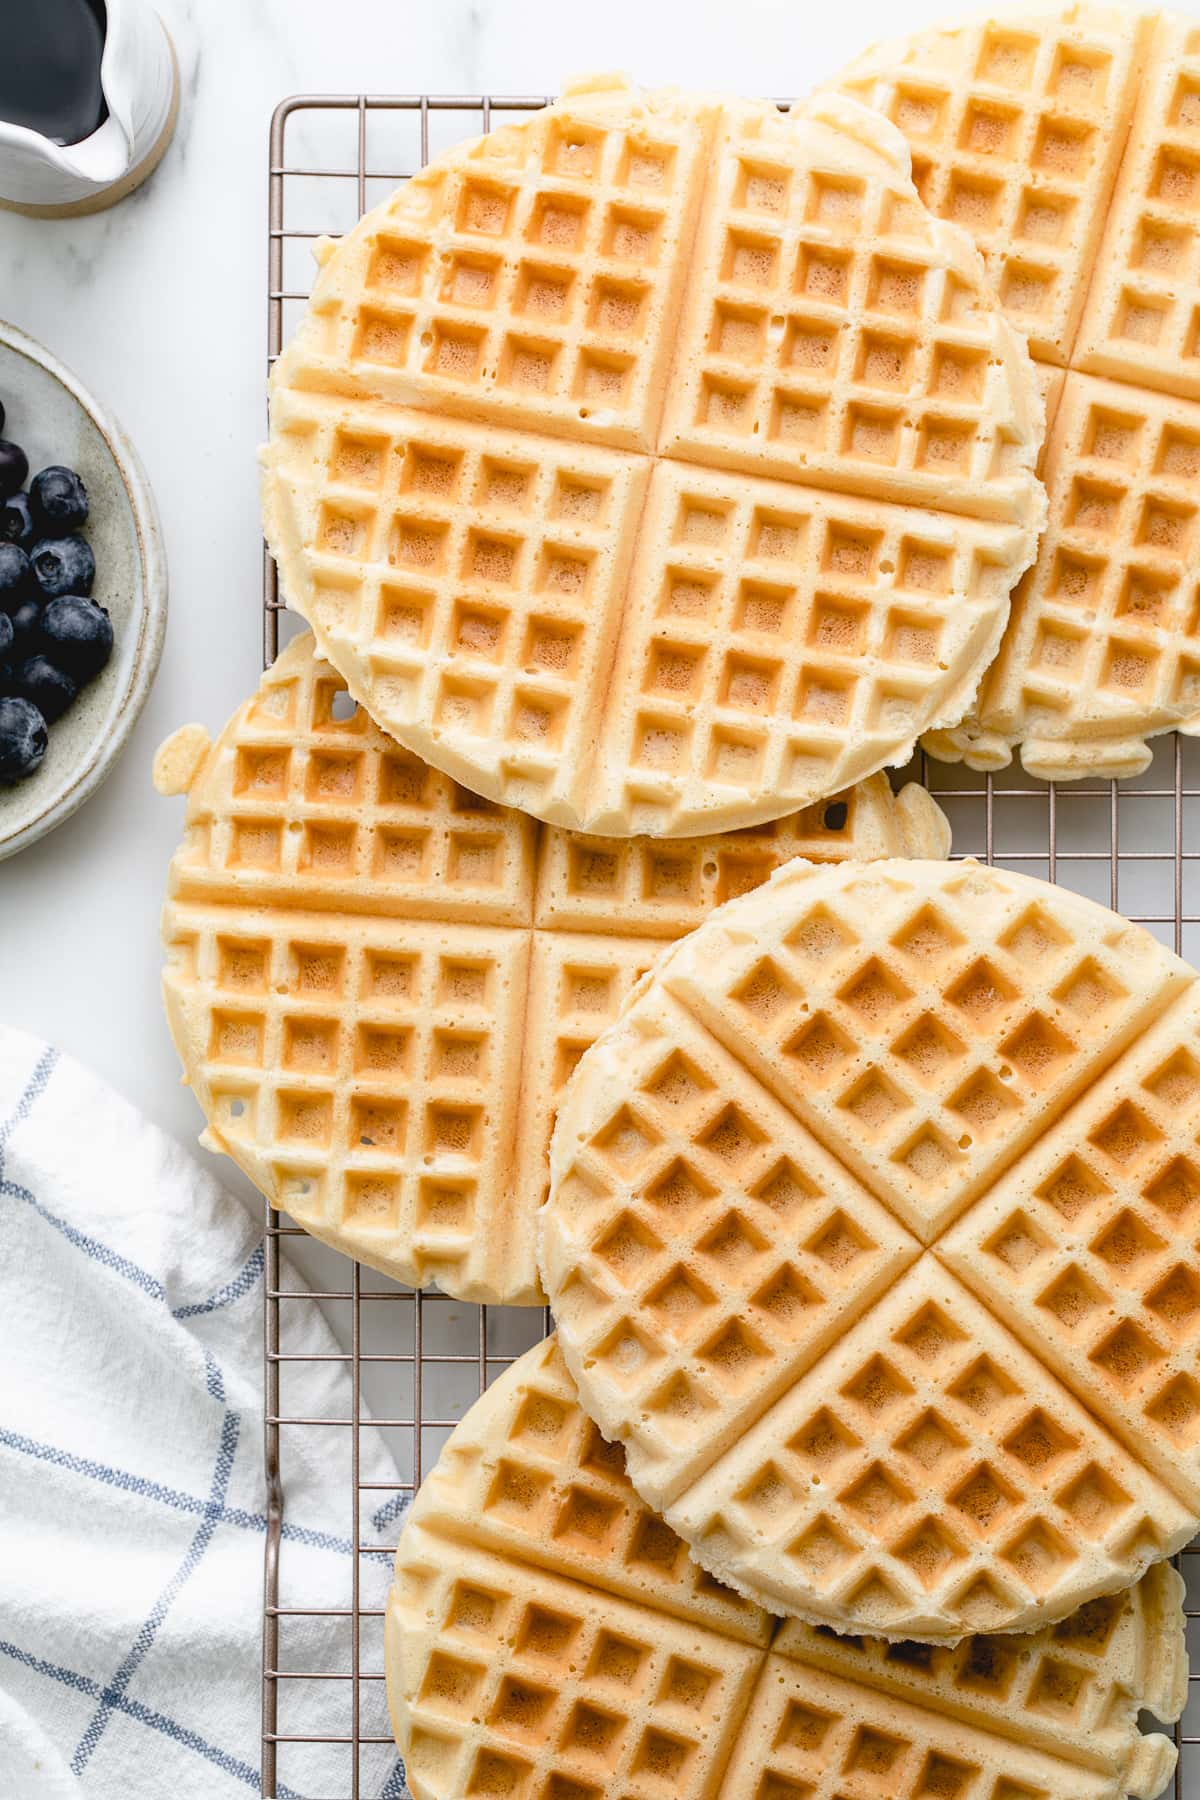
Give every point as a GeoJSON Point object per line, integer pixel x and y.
{"type": "Point", "coordinates": [83, 591]}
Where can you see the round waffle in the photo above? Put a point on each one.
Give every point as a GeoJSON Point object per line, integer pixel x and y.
{"type": "Point", "coordinates": [872, 1238]}
{"type": "Point", "coordinates": [378, 983]}
{"type": "Point", "coordinates": [1067, 142]}
{"type": "Point", "coordinates": [547, 1638]}
{"type": "Point", "coordinates": [656, 464]}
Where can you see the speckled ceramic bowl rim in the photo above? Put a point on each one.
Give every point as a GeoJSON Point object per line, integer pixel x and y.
{"type": "Point", "coordinates": [151, 624]}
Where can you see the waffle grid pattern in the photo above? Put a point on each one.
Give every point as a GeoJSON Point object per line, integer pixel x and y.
{"type": "Point", "coordinates": [379, 983]}
{"type": "Point", "coordinates": [927, 1062]}
{"type": "Point", "coordinates": [917, 1464]}
{"type": "Point", "coordinates": [947, 1468]}
{"type": "Point", "coordinates": [1143, 317]}
{"type": "Point", "coordinates": [484, 576]}
{"type": "Point", "coordinates": [704, 1196]}
{"type": "Point", "coordinates": [1069, 147]}
{"type": "Point", "coordinates": [514, 1653]}
{"type": "Point", "coordinates": [759, 641]}
{"type": "Point", "coordinates": [1112, 607]}
{"type": "Point", "coordinates": [1016, 130]}
{"type": "Point", "coordinates": [795, 338]}
{"type": "Point", "coordinates": [415, 1358]}
{"type": "Point", "coordinates": [1121, 1303]}
{"type": "Point", "coordinates": [526, 291]}
{"type": "Point", "coordinates": [489, 599]}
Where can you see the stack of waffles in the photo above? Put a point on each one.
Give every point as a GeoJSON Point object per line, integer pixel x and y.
{"type": "Point", "coordinates": [872, 1239]}
{"type": "Point", "coordinates": [653, 474]}
{"type": "Point", "coordinates": [548, 1635]}
{"type": "Point", "coordinates": [872, 1246]}
{"type": "Point", "coordinates": [1068, 144]}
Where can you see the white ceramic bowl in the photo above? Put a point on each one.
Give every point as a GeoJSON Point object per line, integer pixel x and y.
{"type": "Point", "coordinates": [55, 420]}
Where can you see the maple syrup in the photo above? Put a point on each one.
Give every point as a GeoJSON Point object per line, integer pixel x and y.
{"type": "Point", "coordinates": [50, 55]}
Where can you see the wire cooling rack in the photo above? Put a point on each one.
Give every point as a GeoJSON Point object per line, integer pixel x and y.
{"type": "Point", "coordinates": [417, 1361]}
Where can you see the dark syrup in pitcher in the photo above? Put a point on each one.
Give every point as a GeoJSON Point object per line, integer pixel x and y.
{"type": "Point", "coordinates": [50, 67]}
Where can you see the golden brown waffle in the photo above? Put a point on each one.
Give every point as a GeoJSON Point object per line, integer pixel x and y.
{"type": "Point", "coordinates": [1067, 142]}
{"type": "Point", "coordinates": [378, 983]}
{"type": "Point", "coordinates": [1105, 629]}
{"type": "Point", "coordinates": [872, 1238]}
{"type": "Point", "coordinates": [547, 1637]}
{"type": "Point", "coordinates": [656, 464]}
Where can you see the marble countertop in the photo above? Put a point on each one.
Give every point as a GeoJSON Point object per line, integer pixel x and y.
{"type": "Point", "coordinates": [159, 307]}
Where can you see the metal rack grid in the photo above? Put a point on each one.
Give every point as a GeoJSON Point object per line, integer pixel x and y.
{"type": "Point", "coordinates": [331, 157]}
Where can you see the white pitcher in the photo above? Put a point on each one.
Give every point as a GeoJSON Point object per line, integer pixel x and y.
{"type": "Point", "coordinates": [140, 80]}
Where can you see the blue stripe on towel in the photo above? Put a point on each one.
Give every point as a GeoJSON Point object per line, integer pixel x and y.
{"type": "Point", "coordinates": [111, 1259]}
{"type": "Point", "coordinates": [395, 1508]}
{"type": "Point", "coordinates": [35, 1088]}
{"type": "Point", "coordinates": [145, 1715]}
{"type": "Point", "coordinates": [222, 1472]}
{"type": "Point", "coordinates": [165, 1496]}
{"type": "Point", "coordinates": [232, 1290]}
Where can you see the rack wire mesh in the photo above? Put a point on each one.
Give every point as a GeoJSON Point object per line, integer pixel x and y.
{"type": "Point", "coordinates": [417, 1361]}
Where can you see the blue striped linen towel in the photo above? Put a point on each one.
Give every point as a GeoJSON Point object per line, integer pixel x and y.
{"type": "Point", "coordinates": [132, 1493]}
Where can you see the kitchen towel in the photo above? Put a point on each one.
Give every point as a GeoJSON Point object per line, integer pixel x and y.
{"type": "Point", "coordinates": [132, 1494]}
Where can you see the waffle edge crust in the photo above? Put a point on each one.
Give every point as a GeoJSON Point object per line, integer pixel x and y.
{"type": "Point", "coordinates": [872, 1239]}
{"type": "Point", "coordinates": [657, 464]}
{"type": "Point", "coordinates": [378, 983]}
{"type": "Point", "coordinates": [1067, 142]}
{"type": "Point", "coordinates": [548, 1638]}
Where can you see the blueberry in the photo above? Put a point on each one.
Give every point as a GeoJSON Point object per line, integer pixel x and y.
{"type": "Point", "coordinates": [23, 739]}
{"type": "Point", "coordinates": [63, 565]}
{"type": "Point", "coordinates": [44, 686]}
{"type": "Point", "coordinates": [77, 635]}
{"type": "Point", "coordinates": [59, 500]}
{"type": "Point", "coordinates": [26, 624]}
{"type": "Point", "coordinates": [16, 521]}
{"type": "Point", "coordinates": [7, 634]}
{"type": "Point", "coordinates": [16, 576]}
{"type": "Point", "coordinates": [14, 467]}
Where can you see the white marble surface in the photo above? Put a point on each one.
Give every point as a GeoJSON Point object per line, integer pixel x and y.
{"type": "Point", "coordinates": [159, 307]}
